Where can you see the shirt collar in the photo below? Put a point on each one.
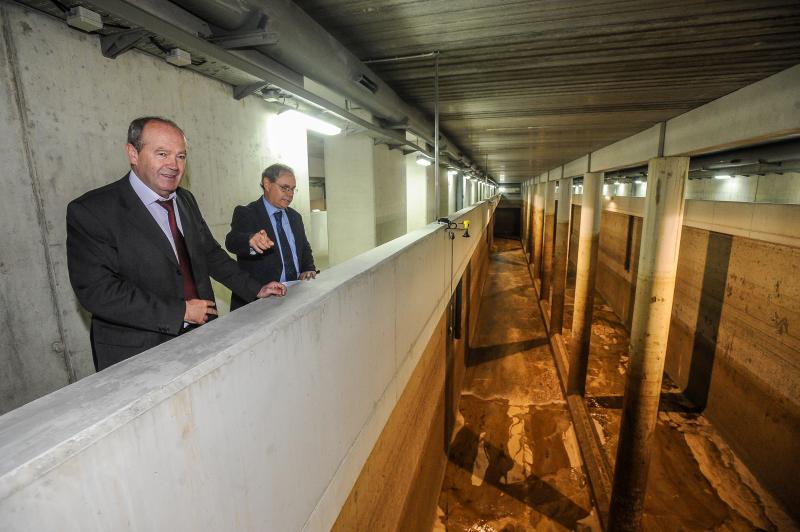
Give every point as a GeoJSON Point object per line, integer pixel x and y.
{"type": "Point", "coordinates": [271, 209]}
{"type": "Point", "coordinates": [145, 193]}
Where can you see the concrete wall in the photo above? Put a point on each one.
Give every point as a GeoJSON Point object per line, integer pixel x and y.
{"type": "Point", "coordinates": [260, 420]}
{"type": "Point", "coordinates": [732, 346]}
{"type": "Point", "coordinates": [411, 452]}
{"type": "Point", "coordinates": [65, 111]}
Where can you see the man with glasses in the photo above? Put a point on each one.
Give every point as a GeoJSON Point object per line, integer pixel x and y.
{"type": "Point", "coordinates": [268, 237]}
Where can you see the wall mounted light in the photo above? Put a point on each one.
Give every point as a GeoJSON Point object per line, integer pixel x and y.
{"type": "Point", "coordinates": [423, 160]}
{"type": "Point", "coordinates": [311, 122]}
{"type": "Point", "coordinates": [722, 176]}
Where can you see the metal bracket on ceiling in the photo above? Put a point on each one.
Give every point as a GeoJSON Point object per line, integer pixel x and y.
{"type": "Point", "coordinates": [115, 44]}
{"type": "Point", "coordinates": [247, 36]}
{"type": "Point", "coordinates": [240, 91]}
{"type": "Point", "coordinates": [402, 125]}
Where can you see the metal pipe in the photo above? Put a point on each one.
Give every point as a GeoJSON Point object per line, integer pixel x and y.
{"type": "Point", "coordinates": [436, 134]}
{"type": "Point", "coordinates": [400, 58]}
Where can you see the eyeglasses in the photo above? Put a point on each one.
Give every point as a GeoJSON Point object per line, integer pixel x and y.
{"type": "Point", "coordinates": [287, 189]}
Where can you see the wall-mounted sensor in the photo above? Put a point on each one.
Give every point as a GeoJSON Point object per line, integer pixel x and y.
{"type": "Point", "coordinates": [84, 19]}
{"type": "Point", "coordinates": [179, 57]}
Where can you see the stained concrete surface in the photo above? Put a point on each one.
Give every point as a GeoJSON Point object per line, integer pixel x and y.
{"type": "Point", "coordinates": [696, 482]}
{"type": "Point", "coordinates": [514, 462]}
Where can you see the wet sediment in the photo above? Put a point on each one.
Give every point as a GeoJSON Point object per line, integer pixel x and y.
{"type": "Point", "coordinates": [514, 461]}
{"type": "Point", "coordinates": [695, 481]}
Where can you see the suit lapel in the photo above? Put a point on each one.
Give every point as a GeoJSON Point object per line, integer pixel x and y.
{"type": "Point", "coordinates": [140, 217]}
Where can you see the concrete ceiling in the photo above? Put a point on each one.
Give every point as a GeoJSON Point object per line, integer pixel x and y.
{"type": "Point", "coordinates": [528, 86]}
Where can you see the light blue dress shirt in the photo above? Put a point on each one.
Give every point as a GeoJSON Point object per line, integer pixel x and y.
{"type": "Point", "coordinates": [287, 228]}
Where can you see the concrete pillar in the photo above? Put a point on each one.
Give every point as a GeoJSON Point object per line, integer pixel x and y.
{"type": "Point", "coordinates": [547, 238]}
{"type": "Point", "coordinates": [445, 188]}
{"type": "Point", "coordinates": [538, 226]}
{"type": "Point", "coordinates": [528, 236]}
{"type": "Point", "coordinates": [350, 190]}
{"type": "Point", "coordinates": [416, 193]}
{"type": "Point", "coordinates": [389, 172]}
{"type": "Point", "coordinates": [560, 253]}
{"type": "Point", "coordinates": [658, 261]}
{"type": "Point", "coordinates": [588, 243]}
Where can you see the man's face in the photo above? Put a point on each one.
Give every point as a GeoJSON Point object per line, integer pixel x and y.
{"type": "Point", "coordinates": [281, 192]}
{"type": "Point", "coordinates": [162, 160]}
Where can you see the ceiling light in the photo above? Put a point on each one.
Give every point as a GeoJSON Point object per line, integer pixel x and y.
{"type": "Point", "coordinates": [722, 176]}
{"type": "Point", "coordinates": [638, 181]}
{"type": "Point", "coordinates": [311, 122]}
{"type": "Point", "coordinates": [452, 173]}
{"type": "Point", "coordinates": [423, 161]}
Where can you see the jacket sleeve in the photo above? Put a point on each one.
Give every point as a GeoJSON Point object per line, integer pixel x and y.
{"type": "Point", "coordinates": [95, 275]}
{"type": "Point", "coordinates": [306, 258]}
{"type": "Point", "coordinates": [221, 266]}
{"type": "Point", "coordinates": [237, 241]}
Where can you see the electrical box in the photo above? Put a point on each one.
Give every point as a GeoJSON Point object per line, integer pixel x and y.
{"type": "Point", "coordinates": [84, 19]}
{"type": "Point", "coordinates": [179, 57]}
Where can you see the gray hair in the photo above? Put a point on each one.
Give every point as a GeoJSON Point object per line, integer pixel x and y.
{"type": "Point", "coordinates": [136, 128]}
{"type": "Point", "coordinates": [274, 171]}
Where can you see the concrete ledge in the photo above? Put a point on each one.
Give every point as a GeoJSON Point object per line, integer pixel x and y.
{"type": "Point", "coordinates": [259, 420]}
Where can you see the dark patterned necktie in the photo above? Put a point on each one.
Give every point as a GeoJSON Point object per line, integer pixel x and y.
{"type": "Point", "coordinates": [286, 252]}
{"type": "Point", "coordinates": [189, 288]}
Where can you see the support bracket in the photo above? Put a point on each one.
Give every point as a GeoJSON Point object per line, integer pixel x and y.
{"type": "Point", "coordinates": [241, 91]}
{"type": "Point", "coordinates": [116, 44]}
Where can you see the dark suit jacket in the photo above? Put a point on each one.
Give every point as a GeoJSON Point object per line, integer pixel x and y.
{"type": "Point", "coordinates": [124, 271]}
{"type": "Point", "coordinates": [252, 218]}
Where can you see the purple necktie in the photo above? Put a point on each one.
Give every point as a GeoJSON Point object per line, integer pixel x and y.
{"type": "Point", "coordinates": [189, 288]}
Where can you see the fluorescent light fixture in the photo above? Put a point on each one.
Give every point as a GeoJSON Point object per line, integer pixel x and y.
{"type": "Point", "coordinates": [722, 176]}
{"type": "Point", "coordinates": [616, 183]}
{"type": "Point", "coordinates": [452, 173]}
{"type": "Point", "coordinates": [311, 122]}
{"type": "Point", "coordinates": [423, 161]}
{"type": "Point", "coordinates": [638, 181]}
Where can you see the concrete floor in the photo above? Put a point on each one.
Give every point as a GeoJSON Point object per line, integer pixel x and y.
{"type": "Point", "coordinates": [514, 460]}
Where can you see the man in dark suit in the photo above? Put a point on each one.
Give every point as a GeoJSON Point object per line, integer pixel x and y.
{"type": "Point", "coordinates": [268, 237]}
{"type": "Point", "coordinates": [140, 254]}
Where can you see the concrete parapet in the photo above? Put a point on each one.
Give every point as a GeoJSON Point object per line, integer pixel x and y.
{"type": "Point", "coordinates": [262, 419]}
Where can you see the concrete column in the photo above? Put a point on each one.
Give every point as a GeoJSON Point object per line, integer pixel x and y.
{"type": "Point", "coordinates": [416, 193]}
{"type": "Point", "coordinates": [547, 238]}
{"type": "Point", "coordinates": [529, 219]}
{"type": "Point", "coordinates": [350, 189]}
{"type": "Point", "coordinates": [389, 170]}
{"type": "Point", "coordinates": [538, 226]}
{"type": "Point", "coordinates": [560, 253]}
{"type": "Point", "coordinates": [588, 243]}
{"type": "Point", "coordinates": [658, 261]}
